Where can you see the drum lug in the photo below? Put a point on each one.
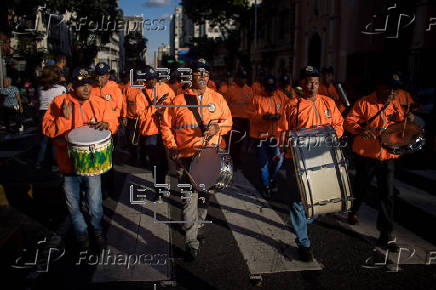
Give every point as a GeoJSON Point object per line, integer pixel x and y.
{"type": "Point", "coordinates": [92, 149]}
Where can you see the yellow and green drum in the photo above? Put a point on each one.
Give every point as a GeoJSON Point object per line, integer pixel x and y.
{"type": "Point", "coordinates": [90, 150]}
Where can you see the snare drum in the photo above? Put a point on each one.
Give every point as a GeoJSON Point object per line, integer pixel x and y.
{"type": "Point", "coordinates": [321, 171]}
{"type": "Point", "coordinates": [211, 169]}
{"type": "Point", "coordinates": [393, 140]}
{"type": "Point", "coordinates": [90, 150]}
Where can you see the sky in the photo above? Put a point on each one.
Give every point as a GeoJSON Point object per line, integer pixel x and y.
{"type": "Point", "coordinates": [151, 9]}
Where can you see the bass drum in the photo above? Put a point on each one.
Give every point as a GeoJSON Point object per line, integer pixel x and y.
{"type": "Point", "coordinates": [211, 169]}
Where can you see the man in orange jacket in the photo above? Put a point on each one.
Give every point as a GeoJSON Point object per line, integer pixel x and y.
{"type": "Point", "coordinates": [238, 98]}
{"type": "Point", "coordinates": [265, 112]}
{"type": "Point", "coordinates": [327, 88]}
{"type": "Point", "coordinates": [183, 135]}
{"type": "Point", "coordinates": [367, 119]}
{"type": "Point", "coordinates": [311, 110]}
{"type": "Point", "coordinates": [149, 109]}
{"type": "Point", "coordinates": [133, 122]}
{"type": "Point", "coordinates": [110, 92]}
{"type": "Point", "coordinates": [66, 112]}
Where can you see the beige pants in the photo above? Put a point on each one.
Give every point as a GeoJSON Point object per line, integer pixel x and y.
{"type": "Point", "coordinates": [191, 212]}
{"type": "Point", "coordinates": [194, 210]}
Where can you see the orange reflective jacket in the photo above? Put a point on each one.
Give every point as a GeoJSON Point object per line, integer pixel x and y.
{"type": "Point", "coordinates": [404, 98]}
{"type": "Point", "coordinates": [180, 129]}
{"type": "Point", "coordinates": [130, 94]}
{"type": "Point", "coordinates": [288, 95]}
{"type": "Point", "coordinates": [258, 107]}
{"type": "Point", "coordinates": [123, 89]}
{"type": "Point", "coordinates": [56, 126]}
{"type": "Point", "coordinates": [312, 114]}
{"type": "Point", "coordinates": [362, 111]}
{"type": "Point", "coordinates": [238, 99]}
{"type": "Point", "coordinates": [146, 109]}
{"type": "Point", "coordinates": [111, 93]}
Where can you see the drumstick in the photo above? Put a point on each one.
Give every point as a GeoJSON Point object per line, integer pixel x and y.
{"type": "Point", "coordinates": [179, 163]}
{"type": "Point", "coordinates": [405, 121]}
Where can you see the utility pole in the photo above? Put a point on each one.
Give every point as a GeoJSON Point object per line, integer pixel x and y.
{"type": "Point", "coordinates": [255, 39]}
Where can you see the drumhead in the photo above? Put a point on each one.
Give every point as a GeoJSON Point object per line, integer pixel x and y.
{"type": "Point", "coordinates": [87, 136]}
{"type": "Point", "coordinates": [205, 167]}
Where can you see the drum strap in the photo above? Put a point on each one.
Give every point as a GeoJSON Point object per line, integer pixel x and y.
{"type": "Point", "coordinates": [378, 113]}
{"type": "Point", "coordinates": [298, 112]}
{"type": "Point", "coordinates": [147, 97]}
{"type": "Point", "coordinates": [191, 100]}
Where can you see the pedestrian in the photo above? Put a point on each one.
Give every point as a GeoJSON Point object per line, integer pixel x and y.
{"type": "Point", "coordinates": [368, 118]}
{"type": "Point", "coordinates": [148, 102]}
{"type": "Point", "coordinates": [265, 112]}
{"type": "Point", "coordinates": [47, 91]}
{"type": "Point", "coordinates": [67, 112]}
{"type": "Point", "coordinates": [184, 131]}
{"type": "Point", "coordinates": [12, 106]}
{"type": "Point", "coordinates": [311, 110]}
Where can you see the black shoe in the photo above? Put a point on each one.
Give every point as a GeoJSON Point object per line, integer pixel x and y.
{"type": "Point", "coordinates": [99, 240]}
{"type": "Point", "coordinates": [388, 243]}
{"type": "Point", "coordinates": [305, 254]}
{"type": "Point", "coordinates": [266, 193]}
{"type": "Point", "coordinates": [201, 235]}
{"type": "Point", "coordinates": [82, 243]}
{"type": "Point", "coordinates": [190, 254]}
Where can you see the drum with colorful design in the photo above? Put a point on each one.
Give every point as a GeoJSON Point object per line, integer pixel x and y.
{"type": "Point", "coordinates": [90, 150]}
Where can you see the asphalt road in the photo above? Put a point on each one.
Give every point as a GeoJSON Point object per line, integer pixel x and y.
{"type": "Point", "coordinates": [220, 264]}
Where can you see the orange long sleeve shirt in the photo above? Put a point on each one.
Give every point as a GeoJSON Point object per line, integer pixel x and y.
{"type": "Point", "coordinates": [56, 126]}
{"type": "Point", "coordinates": [362, 111]}
{"type": "Point", "coordinates": [111, 93]}
{"type": "Point", "coordinates": [311, 114]}
{"type": "Point", "coordinates": [261, 105]}
{"type": "Point", "coordinates": [180, 129]}
{"type": "Point", "coordinates": [149, 124]}
{"type": "Point", "coordinates": [238, 99]}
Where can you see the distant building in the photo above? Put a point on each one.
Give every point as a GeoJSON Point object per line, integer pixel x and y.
{"type": "Point", "coordinates": [162, 53]}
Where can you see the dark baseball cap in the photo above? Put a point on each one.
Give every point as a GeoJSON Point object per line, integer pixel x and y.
{"type": "Point", "coordinates": [309, 71]}
{"type": "Point", "coordinates": [81, 76]}
{"type": "Point", "coordinates": [101, 69]}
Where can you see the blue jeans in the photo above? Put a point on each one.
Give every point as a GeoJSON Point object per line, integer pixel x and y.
{"type": "Point", "coordinates": [265, 150]}
{"type": "Point", "coordinates": [299, 222]}
{"type": "Point", "coordinates": [298, 216]}
{"type": "Point", "coordinates": [92, 185]}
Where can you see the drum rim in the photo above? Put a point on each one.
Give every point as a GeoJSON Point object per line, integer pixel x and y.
{"type": "Point", "coordinates": [97, 142]}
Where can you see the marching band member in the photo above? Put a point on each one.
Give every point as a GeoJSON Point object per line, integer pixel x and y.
{"type": "Point", "coordinates": [66, 112]}
{"type": "Point", "coordinates": [310, 111]}
{"type": "Point", "coordinates": [133, 122]}
{"type": "Point", "coordinates": [158, 93]}
{"type": "Point", "coordinates": [110, 92]}
{"type": "Point", "coordinates": [238, 97]}
{"type": "Point", "coordinates": [185, 130]}
{"type": "Point", "coordinates": [265, 111]}
{"type": "Point", "coordinates": [327, 88]}
{"type": "Point", "coordinates": [367, 119]}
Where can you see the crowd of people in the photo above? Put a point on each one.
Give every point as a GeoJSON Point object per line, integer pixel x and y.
{"type": "Point", "coordinates": [159, 125]}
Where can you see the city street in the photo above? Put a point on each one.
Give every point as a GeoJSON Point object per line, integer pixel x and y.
{"type": "Point", "coordinates": [248, 244]}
